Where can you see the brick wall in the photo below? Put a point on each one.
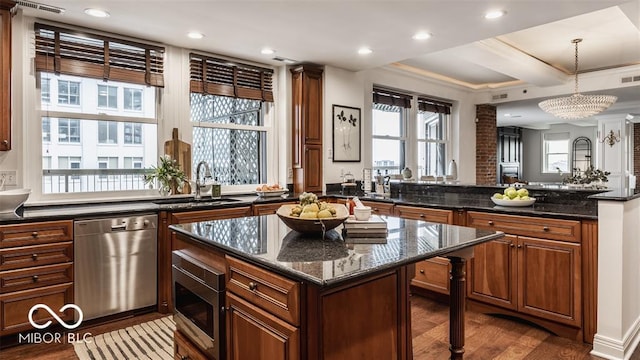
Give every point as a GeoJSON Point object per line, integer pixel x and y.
{"type": "Point", "coordinates": [636, 153]}
{"type": "Point", "coordinates": [486, 145]}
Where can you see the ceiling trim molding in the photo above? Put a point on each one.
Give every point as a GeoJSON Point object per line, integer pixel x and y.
{"type": "Point", "coordinates": [450, 80]}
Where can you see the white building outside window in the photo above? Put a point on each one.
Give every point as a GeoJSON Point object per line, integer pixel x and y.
{"type": "Point", "coordinates": [555, 154]}
{"type": "Point", "coordinates": [107, 96]}
{"type": "Point", "coordinates": [68, 92]}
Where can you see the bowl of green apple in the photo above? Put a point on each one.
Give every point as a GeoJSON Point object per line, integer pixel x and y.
{"type": "Point", "coordinates": [513, 197]}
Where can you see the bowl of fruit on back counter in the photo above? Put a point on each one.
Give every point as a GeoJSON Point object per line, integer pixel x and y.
{"type": "Point", "coordinates": [513, 197]}
{"type": "Point", "coordinates": [311, 215]}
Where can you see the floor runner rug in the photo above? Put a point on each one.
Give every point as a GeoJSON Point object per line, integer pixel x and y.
{"type": "Point", "coordinates": [151, 340]}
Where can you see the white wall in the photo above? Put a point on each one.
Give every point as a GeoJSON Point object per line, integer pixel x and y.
{"type": "Point", "coordinates": [532, 150]}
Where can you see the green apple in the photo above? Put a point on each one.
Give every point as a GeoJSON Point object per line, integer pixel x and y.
{"type": "Point", "coordinates": [509, 189]}
{"type": "Point", "coordinates": [497, 196]}
{"type": "Point", "coordinates": [523, 192]}
{"type": "Point", "coordinates": [525, 197]}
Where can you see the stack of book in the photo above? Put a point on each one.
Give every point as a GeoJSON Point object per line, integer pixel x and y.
{"type": "Point", "coordinates": [375, 227]}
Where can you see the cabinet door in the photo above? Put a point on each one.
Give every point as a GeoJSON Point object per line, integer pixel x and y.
{"type": "Point", "coordinates": [205, 215]}
{"type": "Point", "coordinates": [313, 168]}
{"type": "Point", "coordinates": [5, 74]}
{"type": "Point", "coordinates": [266, 209]}
{"type": "Point", "coordinates": [433, 274]}
{"type": "Point", "coordinates": [493, 273]}
{"type": "Point", "coordinates": [255, 334]}
{"type": "Point", "coordinates": [380, 208]}
{"type": "Point", "coordinates": [312, 109]}
{"type": "Point", "coordinates": [549, 280]}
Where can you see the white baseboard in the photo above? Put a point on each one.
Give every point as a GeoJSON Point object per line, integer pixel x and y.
{"type": "Point", "coordinates": [614, 349]}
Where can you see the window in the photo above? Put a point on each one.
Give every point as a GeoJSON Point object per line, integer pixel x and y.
{"type": "Point", "coordinates": [107, 163]}
{"type": "Point", "coordinates": [230, 107]}
{"type": "Point", "coordinates": [45, 90]}
{"type": "Point", "coordinates": [555, 152]}
{"type": "Point", "coordinates": [389, 131]}
{"type": "Point", "coordinates": [132, 133]}
{"type": "Point", "coordinates": [107, 132]}
{"type": "Point", "coordinates": [132, 162]}
{"type": "Point", "coordinates": [46, 130]}
{"type": "Point", "coordinates": [433, 121]}
{"type": "Point", "coordinates": [68, 131]}
{"type": "Point", "coordinates": [133, 99]}
{"type": "Point", "coordinates": [68, 92]}
{"type": "Point", "coordinates": [102, 64]}
{"type": "Point", "coordinates": [107, 96]}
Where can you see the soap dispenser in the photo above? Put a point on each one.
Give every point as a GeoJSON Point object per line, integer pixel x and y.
{"type": "Point", "coordinates": [216, 192]}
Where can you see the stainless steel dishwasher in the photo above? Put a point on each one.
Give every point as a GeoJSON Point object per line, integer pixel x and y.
{"type": "Point", "coordinates": [115, 261]}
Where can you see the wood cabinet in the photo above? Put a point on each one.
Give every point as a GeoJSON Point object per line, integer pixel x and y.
{"type": "Point", "coordinates": [307, 128]}
{"type": "Point", "coordinates": [539, 279]}
{"type": "Point", "coordinates": [5, 74]}
{"type": "Point", "coordinates": [253, 333]}
{"type": "Point", "coordinates": [36, 267]}
{"type": "Point", "coordinates": [424, 214]}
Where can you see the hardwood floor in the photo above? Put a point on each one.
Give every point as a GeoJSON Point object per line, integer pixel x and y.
{"type": "Point", "coordinates": [487, 337]}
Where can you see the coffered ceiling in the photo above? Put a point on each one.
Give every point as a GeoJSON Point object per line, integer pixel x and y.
{"type": "Point", "coordinates": [531, 44]}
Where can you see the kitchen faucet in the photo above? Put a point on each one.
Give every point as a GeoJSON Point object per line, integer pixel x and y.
{"type": "Point", "coordinates": [207, 175]}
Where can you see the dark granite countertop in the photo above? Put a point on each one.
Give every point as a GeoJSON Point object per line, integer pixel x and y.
{"type": "Point", "coordinates": [618, 195]}
{"type": "Point", "coordinates": [267, 241]}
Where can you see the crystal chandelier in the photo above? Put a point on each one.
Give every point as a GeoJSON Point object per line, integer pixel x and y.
{"type": "Point", "coordinates": [577, 106]}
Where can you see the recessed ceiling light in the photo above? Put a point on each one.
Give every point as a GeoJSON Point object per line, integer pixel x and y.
{"type": "Point", "coordinates": [507, 115]}
{"type": "Point", "coordinates": [267, 51]}
{"type": "Point", "coordinates": [96, 13]}
{"type": "Point", "coordinates": [195, 35]}
{"type": "Point", "coordinates": [364, 51]}
{"type": "Point", "coordinates": [422, 35]}
{"type": "Point", "coordinates": [494, 14]}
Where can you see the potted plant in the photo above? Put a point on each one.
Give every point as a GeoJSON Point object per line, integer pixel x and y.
{"type": "Point", "coordinates": [168, 175]}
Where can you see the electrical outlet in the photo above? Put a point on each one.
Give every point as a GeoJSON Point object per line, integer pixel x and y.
{"type": "Point", "coordinates": [290, 173]}
{"type": "Point", "coordinates": [9, 177]}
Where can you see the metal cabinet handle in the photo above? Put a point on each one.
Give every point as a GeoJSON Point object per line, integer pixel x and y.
{"type": "Point", "coordinates": [253, 286]}
{"type": "Point", "coordinates": [519, 246]}
{"type": "Point", "coordinates": [490, 223]}
{"type": "Point", "coordinates": [5, 142]}
{"type": "Point", "coordinates": [546, 228]}
{"type": "Point", "coordinates": [35, 278]}
{"type": "Point", "coordinates": [34, 257]}
{"type": "Point", "coordinates": [422, 215]}
{"type": "Point", "coordinates": [512, 245]}
{"type": "Point", "coordinates": [184, 357]}
{"type": "Point", "coordinates": [421, 271]}
{"type": "Point", "coordinates": [34, 234]}
{"type": "Point", "coordinates": [375, 209]}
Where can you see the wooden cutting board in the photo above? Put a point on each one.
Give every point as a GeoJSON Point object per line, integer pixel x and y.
{"type": "Point", "coordinates": [181, 152]}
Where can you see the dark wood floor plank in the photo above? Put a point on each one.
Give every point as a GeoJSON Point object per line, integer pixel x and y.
{"type": "Point", "coordinates": [487, 337]}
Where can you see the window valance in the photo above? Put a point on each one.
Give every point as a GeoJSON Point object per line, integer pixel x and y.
{"type": "Point", "coordinates": [434, 106]}
{"type": "Point", "coordinates": [215, 76]}
{"type": "Point", "coordinates": [386, 97]}
{"type": "Point", "coordinates": [71, 52]}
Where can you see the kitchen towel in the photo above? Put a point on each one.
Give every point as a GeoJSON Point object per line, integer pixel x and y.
{"type": "Point", "coordinates": [149, 340]}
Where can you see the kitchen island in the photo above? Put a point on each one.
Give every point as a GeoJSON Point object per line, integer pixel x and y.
{"type": "Point", "coordinates": [295, 296]}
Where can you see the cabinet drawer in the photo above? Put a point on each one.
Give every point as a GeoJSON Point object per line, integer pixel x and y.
{"type": "Point", "coordinates": [28, 256]}
{"type": "Point", "coordinates": [379, 208]}
{"type": "Point", "coordinates": [15, 306]}
{"type": "Point", "coordinates": [565, 230]}
{"type": "Point", "coordinates": [184, 349]}
{"type": "Point", "coordinates": [36, 233]}
{"type": "Point", "coordinates": [433, 274]}
{"type": "Point", "coordinates": [15, 280]}
{"type": "Point", "coordinates": [275, 294]}
{"type": "Point", "coordinates": [418, 213]}
{"type": "Point", "coordinates": [266, 209]}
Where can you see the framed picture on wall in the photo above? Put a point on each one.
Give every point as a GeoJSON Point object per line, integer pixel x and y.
{"type": "Point", "coordinates": [346, 133]}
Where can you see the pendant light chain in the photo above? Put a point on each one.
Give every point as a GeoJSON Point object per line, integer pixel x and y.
{"type": "Point", "coordinates": [576, 41]}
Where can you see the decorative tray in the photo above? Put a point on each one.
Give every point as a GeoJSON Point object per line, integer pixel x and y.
{"type": "Point", "coordinates": [501, 202]}
{"type": "Point", "coordinates": [272, 192]}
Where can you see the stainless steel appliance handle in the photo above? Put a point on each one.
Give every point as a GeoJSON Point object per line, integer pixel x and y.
{"type": "Point", "coordinates": [119, 227]}
{"type": "Point", "coordinates": [195, 285]}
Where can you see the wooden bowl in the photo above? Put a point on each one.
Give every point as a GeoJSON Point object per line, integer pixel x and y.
{"type": "Point", "coordinates": [312, 225]}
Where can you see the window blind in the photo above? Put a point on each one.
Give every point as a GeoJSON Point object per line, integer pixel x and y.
{"type": "Point", "coordinates": [225, 78]}
{"type": "Point", "coordinates": [434, 106]}
{"type": "Point", "coordinates": [386, 97]}
{"type": "Point", "coordinates": [71, 52]}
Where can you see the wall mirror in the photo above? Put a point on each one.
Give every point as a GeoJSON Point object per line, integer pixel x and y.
{"type": "Point", "coordinates": [581, 155]}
